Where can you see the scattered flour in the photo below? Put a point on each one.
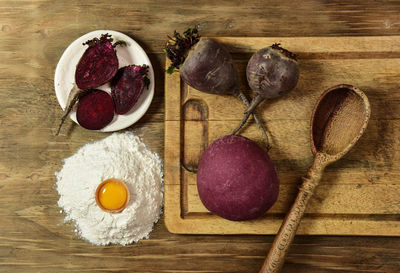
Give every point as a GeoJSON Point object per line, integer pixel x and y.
{"type": "Point", "coordinates": [122, 156]}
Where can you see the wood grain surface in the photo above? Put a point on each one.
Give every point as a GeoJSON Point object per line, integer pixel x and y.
{"type": "Point", "coordinates": [344, 204]}
{"type": "Point", "coordinates": [34, 35]}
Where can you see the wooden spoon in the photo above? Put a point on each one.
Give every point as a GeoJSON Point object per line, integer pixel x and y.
{"type": "Point", "coordinates": [338, 120]}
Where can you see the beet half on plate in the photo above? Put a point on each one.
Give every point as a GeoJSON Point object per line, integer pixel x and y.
{"type": "Point", "coordinates": [127, 86]}
{"type": "Point", "coordinates": [98, 64]}
{"type": "Point", "coordinates": [95, 110]}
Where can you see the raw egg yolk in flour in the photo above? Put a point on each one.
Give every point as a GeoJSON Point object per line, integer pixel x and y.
{"type": "Point", "coordinates": [112, 195]}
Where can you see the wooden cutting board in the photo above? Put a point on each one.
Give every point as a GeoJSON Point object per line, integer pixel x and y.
{"type": "Point", "coordinates": [359, 195]}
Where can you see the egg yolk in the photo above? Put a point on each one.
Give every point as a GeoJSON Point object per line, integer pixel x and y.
{"type": "Point", "coordinates": [112, 195]}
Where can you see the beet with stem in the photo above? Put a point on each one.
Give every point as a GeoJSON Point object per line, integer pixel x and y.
{"type": "Point", "coordinates": [98, 64]}
{"type": "Point", "coordinates": [95, 110]}
{"type": "Point", "coordinates": [127, 86]}
{"type": "Point", "coordinates": [207, 66]}
{"type": "Point", "coordinates": [271, 72]}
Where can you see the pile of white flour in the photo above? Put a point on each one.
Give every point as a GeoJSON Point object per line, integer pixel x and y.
{"type": "Point", "coordinates": [122, 156]}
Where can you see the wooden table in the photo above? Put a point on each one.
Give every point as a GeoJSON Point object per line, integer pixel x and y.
{"type": "Point", "coordinates": [34, 35]}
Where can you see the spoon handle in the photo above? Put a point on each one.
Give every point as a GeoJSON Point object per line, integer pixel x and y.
{"type": "Point", "coordinates": [276, 255]}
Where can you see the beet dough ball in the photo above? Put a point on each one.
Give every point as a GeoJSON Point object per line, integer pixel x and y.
{"type": "Point", "coordinates": [236, 179]}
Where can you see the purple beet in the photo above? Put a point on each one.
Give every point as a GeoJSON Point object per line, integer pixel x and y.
{"type": "Point", "coordinates": [206, 65]}
{"type": "Point", "coordinates": [98, 64]}
{"type": "Point", "coordinates": [271, 72]}
{"type": "Point", "coordinates": [203, 63]}
{"type": "Point", "coordinates": [95, 110]}
{"type": "Point", "coordinates": [236, 179]}
{"type": "Point", "coordinates": [127, 86]}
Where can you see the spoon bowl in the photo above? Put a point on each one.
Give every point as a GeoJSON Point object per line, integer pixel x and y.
{"type": "Point", "coordinates": [338, 120]}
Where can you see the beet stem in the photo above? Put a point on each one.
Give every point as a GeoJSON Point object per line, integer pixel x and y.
{"type": "Point", "coordinates": [243, 98]}
{"type": "Point", "coordinates": [73, 97]}
{"type": "Point", "coordinates": [284, 51]}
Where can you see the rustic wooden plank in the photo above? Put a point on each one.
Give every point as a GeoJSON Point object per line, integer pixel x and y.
{"type": "Point", "coordinates": [305, 46]}
{"type": "Point", "coordinates": [335, 199]}
{"type": "Point", "coordinates": [378, 80]}
{"type": "Point", "coordinates": [292, 153]}
{"type": "Point", "coordinates": [358, 195]}
{"type": "Point", "coordinates": [34, 35]}
{"type": "Point", "coordinates": [150, 22]}
{"type": "Point", "coordinates": [201, 222]}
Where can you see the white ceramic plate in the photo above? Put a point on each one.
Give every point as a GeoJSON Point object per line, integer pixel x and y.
{"type": "Point", "coordinates": [132, 53]}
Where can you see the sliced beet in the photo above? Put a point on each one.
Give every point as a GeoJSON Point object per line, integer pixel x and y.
{"type": "Point", "coordinates": [127, 86]}
{"type": "Point", "coordinates": [95, 110]}
{"type": "Point", "coordinates": [98, 64]}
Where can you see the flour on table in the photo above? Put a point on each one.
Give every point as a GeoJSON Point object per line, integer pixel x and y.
{"type": "Point", "coordinates": [122, 156]}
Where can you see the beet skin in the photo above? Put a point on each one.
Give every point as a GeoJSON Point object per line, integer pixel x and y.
{"type": "Point", "coordinates": [127, 86]}
{"type": "Point", "coordinates": [206, 65]}
{"type": "Point", "coordinates": [209, 68]}
{"type": "Point", "coordinates": [98, 64]}
{"type": "Point", "coordinates": [203, 63]}
{"type": "Point", "coordinates": [272, 72]}
{"type": "Point", "coordinates": [236, 179]}
{"type": "Point", "coordinates": [95, 110]}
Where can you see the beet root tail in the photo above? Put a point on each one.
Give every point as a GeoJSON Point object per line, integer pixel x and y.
{"type": "Point", "coordinates": [251, 110]}
{"type": "Point", "coordinates": [73, 97]}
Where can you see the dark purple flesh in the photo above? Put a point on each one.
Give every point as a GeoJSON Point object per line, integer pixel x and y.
{"type": "Point", "coordinates": [98, 64]}
{"type": "Point", "coordinates": [127, 86]}
{"type": "Point", "coordinates": [272, 72]}
{"type": "Point", "coordinates": [209, 68]}
{"type": "Point", "coordinates": [236, 179]}
{"type": "Point", "coordinates": [95, 110]}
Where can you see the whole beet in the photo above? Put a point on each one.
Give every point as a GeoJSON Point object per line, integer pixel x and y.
{"type": "Point", "coordinates": [209, 68]}
{"type": "Point", "coordinates": [236, 179]}
{"type": "Point", "coordinates": [206, 65]}
{"type": "Point", "coordinates": [271, 72]}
